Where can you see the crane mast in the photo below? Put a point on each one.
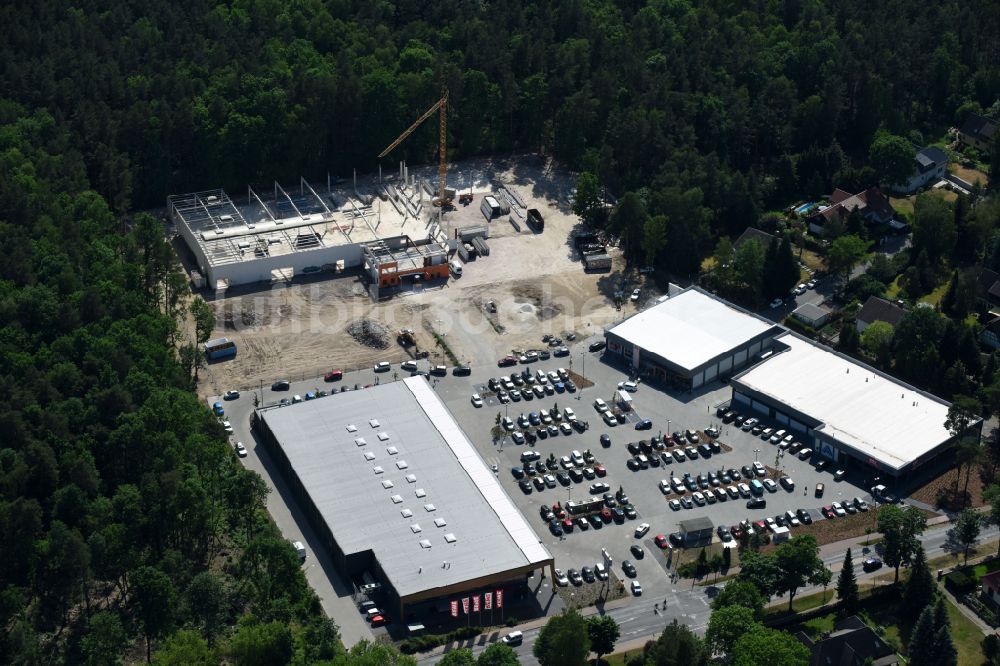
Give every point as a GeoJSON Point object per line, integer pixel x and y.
{"type": "Point", "coordinates": [441, 106]}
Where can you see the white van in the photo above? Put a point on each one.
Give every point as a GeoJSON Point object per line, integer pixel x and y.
{"type": "Point", "coordinates": [513, 638]}
{"type": "Point", "coordinates": [300, 550]}
{"type": "Point", "coordinates": [456, 267]}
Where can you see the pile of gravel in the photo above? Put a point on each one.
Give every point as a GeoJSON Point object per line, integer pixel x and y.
{"type": "Point", "coordinates": [369, 333]}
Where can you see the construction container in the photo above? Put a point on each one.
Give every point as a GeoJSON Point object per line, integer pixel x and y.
{"type": "Point", "coordinates": [466, 234]}
{"type": "Point", "coordinates": [490, 207]}
{"type": "Point", "coordinates": [220, 348]}
{"type": "Point", "coordinates": [481, 247]}
{"type": "Point", "coordinates": [597, 262]}
{"type": "Point", "coordinates": [535, 220]}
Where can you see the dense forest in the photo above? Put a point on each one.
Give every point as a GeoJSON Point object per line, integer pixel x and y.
{"type": "Point", "coordinates": [129, 530]}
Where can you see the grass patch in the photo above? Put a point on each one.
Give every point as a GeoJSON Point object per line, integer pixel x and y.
{"type": "Point", "coordinates": [983, 568]}
{"type": "Point", "coordinates": [967, 636]}
{"type": "Point", "coordinates": [934, 298]}
{"type": "Point", "coordinates": [967, 174]}
{"type": "Point", "coordinates": [818, 625]}
{"type": "Point", "coordinates": [893, 290]}
{"type": "Point", "coordinates": [903, 206]}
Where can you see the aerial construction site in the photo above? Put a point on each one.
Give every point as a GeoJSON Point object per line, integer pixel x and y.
{"type": "Point", "coordinates": [295, 272]}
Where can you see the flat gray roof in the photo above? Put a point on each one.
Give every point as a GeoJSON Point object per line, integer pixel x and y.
{"type": "Point", "coordinates": [691, 328]}
{"type": "Point", "coordinates": [699, 524]}
{"type": "Point", "coordinates": [874, 414]}
{"type": "Point", "coordinates": [391, 471]}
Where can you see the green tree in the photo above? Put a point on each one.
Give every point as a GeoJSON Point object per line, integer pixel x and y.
{"type": "Point", "coordinates": [724, 275]}
{"type": "Point", "coordinates": [259, 644]}
{"type": "Point", "coordinates": [366, 653]}
{"type": "Point", "coordinates": [748, 264]}
{"type": "Point", "coordinates": [458, 657]}
{"type": "Point", "coordinates": [761, 570]}
{"type": "Point", "coordinates": [961, 415]}
{"type": "Point", "coordinates": [587, 201]}
{"type": "Point", "coordinates": [849, 340]}
{"type": "Point", "coordinates": [916, 342]}
{"type": "Point", "coordinates": [920, 647]}
{"type": "Point", "coordinates": [654, 237]}
{"type": "Point", "coordinates": [154, 597]}
{"type": "Point", "coordinates": [847, 586]}
{"type": "Point", "coordinates": [900, 529]}
{"type": "Point", "coordinates": [769, 646]}
{"type": "Point", "coordinates": [743, 593]}
{"type": "Point", "coordinates": [104, 641]}
{"type": "Point", "coordinates": [920, 588]}
{"type": "Point", "coordinates": [207, 603]}
{"type": "Point", "coordinates": [933, 227]}
{"type": "Point", "coordinates": [844, 253]}
{"type": "Point", "coordinates": [677, 646]}
{"type": "Point", "coordinates": [204, 319]}
{"type": "Point", "coordinates": [498, 654]}
{"type": "Point", "coordinates": [798, 562]}
{"type": "Point", "coordinates": [725, 627]}
{"type": "Point", "coordinates": [967, 529]}
{"type": "Point", "coordinates": [892, 158]}
{"type": "Point", "coordinates": [563, 641]}
{"type": "Point", "coordinates": [185, 648]}
{"type": "Point", "coordinates": [627, 220]}
{"type": "Point", "coordinates": [603, 632]}
{"type": "Point", "coordinates": [876, 340]}
{"type": "Point", "coordinates": [992, 495]}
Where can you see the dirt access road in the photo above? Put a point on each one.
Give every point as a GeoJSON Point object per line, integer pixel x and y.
{"type": "Point", "coordinates": [298, 329]}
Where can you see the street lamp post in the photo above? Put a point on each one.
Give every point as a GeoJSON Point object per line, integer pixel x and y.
{"type": "Point", "coordinates": [755, 452]}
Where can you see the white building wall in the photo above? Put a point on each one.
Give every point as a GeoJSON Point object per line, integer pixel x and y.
{"type": "Point", "coordinates": [258, 269]}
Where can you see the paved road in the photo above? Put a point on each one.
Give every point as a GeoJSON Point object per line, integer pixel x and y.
{"type": "Point", "coordinates": [690, 604]}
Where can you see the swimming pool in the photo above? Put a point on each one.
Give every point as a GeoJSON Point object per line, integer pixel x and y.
{"type": "Point", "coordinates": [805, 208]}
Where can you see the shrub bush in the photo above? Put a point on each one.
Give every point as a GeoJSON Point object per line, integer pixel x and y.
{"type": "Point", "coordinates": [958, 582]}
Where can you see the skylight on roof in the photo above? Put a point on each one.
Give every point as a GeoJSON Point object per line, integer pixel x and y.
{"type": "Point", "coordinates": [391, 450]}
{"type": "Point", "coordinates": [369, 455]}
{"type": "Point", "coordinates": [440, 522]}
{"type": "Point", "coordinates": [386, 483]}
{"type": "Point", "coordinates": [377, 469]}
{"type": "Point", "coordinates": [415, 528]}
{"type": "Point", "coordinates": [424, 543]}
{"type": "Point", "coordinates": [411, 478]}
{"type": "Point", "coordinates": [373, 423]}
{"type": "Point", "coordinates": [396, 499]}
{"type": "Point", "coordinates": [429, 508]}
{"type": "Point", "coordinates": [406, 513]}
{"type": "Point", "coordinates": [450, 538]}
{"type": "Point", "coordinates": [420, 492]}
{"type": "Point", "coordinates": [360, 441]}
{"type": "Point", "coordinates": [401, 464]}
{"type": "Point", "coordinates": [352, 428]}
{"type": "Point", "coordinates": [383, 436]}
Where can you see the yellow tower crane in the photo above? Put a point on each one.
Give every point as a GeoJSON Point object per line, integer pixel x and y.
{"type": "Point", "coordinates": [442, 106]}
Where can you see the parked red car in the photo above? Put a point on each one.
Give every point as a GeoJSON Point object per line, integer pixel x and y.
{"type": "Point", "coordinates": [507, 361]}
{"type": "Point", "coordinates": [379, 620]}
{"type": "Point", "coordinates": [827, 512]}
{"type": "Point", "coordinates": [600, 470]}
{"type": "Point", "coordinates": [661, 541]}
{"type": "Point", "coordinates": [333, 375]}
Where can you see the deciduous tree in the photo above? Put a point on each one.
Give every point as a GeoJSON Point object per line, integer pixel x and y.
{"type": "Point", "coordinates": [769, 646]}
{"type": "Point", "coordinates": [563, 641]}
{"type": "Point", "coordinates": [900, 529]}
{"type": "Point", "coordinates": [725, 627]}
{"type": "Point", "coordinates": [967, 529]}
{"type": "Point", "coordinates": [604, 632]}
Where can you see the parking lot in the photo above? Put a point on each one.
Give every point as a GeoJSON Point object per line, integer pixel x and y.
{"type": "Point", "coordinates": [668, 412]}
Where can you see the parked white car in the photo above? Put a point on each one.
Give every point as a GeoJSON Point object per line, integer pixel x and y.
{"type": "Point", "coordinates": [477, 400]}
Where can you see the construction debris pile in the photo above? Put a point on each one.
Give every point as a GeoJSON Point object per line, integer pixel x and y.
{"type": "Point", "coordinates": [369, 333]}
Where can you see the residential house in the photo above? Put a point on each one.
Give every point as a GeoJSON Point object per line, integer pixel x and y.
{"type": "Point", "coordinates": [988, 294]}
{"type": "Point", "coordinates": [930, 166]}
{"type": "Point", "coordinates": [873, 206]}
{"type": "Point", "coordinates": [851, 643]}
{"type": "Point", "coordinates": [878, 309]}
{"type": "Point", "coordinates": [813, 315]}
{"type": "Point", "coordinates": [991, 587]}
{"type": "Point", "coordinates": [977, 131]}
{"type": "Point", "coordinates": [991, 332]}
{"type": "Point", "coordinates": [752, 233]}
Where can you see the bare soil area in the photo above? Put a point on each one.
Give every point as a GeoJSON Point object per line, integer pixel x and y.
{"type": "Point", "coordinates": [530, 284]}
{"type": "Point", "coordinates": [940, 492]}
